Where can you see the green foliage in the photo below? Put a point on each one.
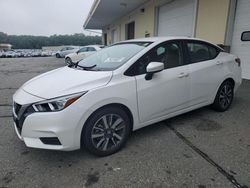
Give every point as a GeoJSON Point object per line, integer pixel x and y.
{"type": "Point", "coordinates": [37, 42]}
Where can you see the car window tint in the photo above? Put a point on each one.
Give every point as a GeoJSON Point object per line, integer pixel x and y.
{"type": "Point", "coordinates": [213, 52]}
{"type": "Point", "coordinates": [169, 53]}
{"type": "Point", "coordinates": [173, 56]}
{"type": "Point", "coordinates": [112, 57]}
{"type": "Point", "coordinates": [91, 49]}
{"type": "Point", "coordinates": [83, 50]}
{"type": "Point", "coordinates": [198, 52]}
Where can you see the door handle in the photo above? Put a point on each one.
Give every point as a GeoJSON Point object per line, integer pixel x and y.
{"type": "Point", "coordinates": [182, 75]}
{"type": "Point", "coordinates": [219, 63]}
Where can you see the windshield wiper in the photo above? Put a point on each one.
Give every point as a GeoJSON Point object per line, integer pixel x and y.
{"type": "Point", "coordinates": [84, 67]}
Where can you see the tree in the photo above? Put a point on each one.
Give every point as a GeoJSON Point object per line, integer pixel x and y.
{"type": "Point", "coordinates": [37, 42]}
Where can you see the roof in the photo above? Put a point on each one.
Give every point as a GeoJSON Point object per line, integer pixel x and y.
{"type": "Point", "coordinates": [157, 39]}
{"type": "Point", "coordinates": [105, 12]}
{"type": "Point", "coordinates": [162, 39]}
{"type": "Point", "coordinates": [95, 45]}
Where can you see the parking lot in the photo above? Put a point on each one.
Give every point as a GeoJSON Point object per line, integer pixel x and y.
{"type": "Point", "coordinates": [199, 149]}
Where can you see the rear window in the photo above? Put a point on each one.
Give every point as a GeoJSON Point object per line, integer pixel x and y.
{"type": "Point", "coordinates": [201, 51]}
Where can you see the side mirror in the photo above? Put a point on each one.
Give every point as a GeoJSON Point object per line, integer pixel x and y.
{"type": "Point", "coordinates": [153, 68]}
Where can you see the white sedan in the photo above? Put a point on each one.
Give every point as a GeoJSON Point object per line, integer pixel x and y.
{"type": "Point", "coordinates": [122, 88]}
{"type": "Point", "coordinates": [66, 50]}
{"type": "Point", "coordinates": [81, 54]}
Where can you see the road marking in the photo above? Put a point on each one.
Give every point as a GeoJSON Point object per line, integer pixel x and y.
{"type": "Point", "coordinates": [230, 177]}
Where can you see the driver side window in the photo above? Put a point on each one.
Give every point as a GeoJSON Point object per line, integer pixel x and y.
{"type": "Point", "coordinates": [169, 53]}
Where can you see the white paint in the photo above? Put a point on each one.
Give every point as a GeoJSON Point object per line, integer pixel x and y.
{"type": "Point", "coordinates": [169, 93]}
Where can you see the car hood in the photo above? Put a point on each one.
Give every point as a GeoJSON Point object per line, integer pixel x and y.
{"type": "Point", "coordinates": [65, 81]}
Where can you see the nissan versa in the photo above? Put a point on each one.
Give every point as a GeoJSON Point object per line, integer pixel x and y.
{"type": "Point", "coordinates": [97, 102]}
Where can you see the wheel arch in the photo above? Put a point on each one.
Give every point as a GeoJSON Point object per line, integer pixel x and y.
{"type": "Point", "coordinates": [119, 105]}
{"type": "Point", "coordinates": [224, 80]}
{"type": "Point", "coordinates": [230, 79]}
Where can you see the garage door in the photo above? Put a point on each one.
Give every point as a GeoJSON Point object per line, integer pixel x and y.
{"type": "Point", "coordinates": [239, 47]}
{"type": "Point", "coordinates": [176, 18]}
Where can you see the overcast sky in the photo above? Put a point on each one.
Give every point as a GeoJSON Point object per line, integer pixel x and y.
{"type": "Point", "coordinates": [43, 17]}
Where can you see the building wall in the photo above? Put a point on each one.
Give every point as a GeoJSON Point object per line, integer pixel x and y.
{"type": "Point", "coordinates": [144, 22]}
{"type": "Point", "coordinates": [5, 47]}
{"type": "Point", "coordinates": [212, 18]}
{"type": "Point", "coordinates": [211, 21]}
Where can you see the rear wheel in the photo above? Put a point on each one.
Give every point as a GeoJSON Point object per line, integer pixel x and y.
{"type": "Point", "coordinates": [224, 97]}
{"type": "Point", "coordinates": [106, 132]}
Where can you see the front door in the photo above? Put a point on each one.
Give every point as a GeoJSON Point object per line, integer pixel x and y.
{"type": "Point", "coordinates": [168, 91]}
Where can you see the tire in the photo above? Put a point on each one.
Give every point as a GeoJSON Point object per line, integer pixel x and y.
{"type": "Point", "coordinates": [68, 61]}
{"type": "Point", "coordinates": [104, 135]}
{"type": "Point", "coordinates": [224, 97]}
{"type": "Point", "coordinates": [58, 55]}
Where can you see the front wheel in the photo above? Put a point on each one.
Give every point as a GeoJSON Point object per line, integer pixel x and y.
{"type": "Point", "coordinates": [106, 131]}
{"type": "Point", "coordinates": [58, 56]}
{"type": "Point", "coordinates": [224, 97]}
{"type": "Point", "coordinates": [68, 61]}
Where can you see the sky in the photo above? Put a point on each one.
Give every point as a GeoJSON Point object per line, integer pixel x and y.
{"type": "Point", "coordinates": [43, 17]}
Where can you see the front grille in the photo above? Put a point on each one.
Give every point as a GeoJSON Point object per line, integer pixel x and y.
{"type": "Point", "coordinates": [20, 114]}
{"type": "Point", "coordinates": [17, 107]}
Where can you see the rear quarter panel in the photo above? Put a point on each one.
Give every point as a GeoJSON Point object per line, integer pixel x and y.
{"type": "Point", "coordinates": [233, 70]}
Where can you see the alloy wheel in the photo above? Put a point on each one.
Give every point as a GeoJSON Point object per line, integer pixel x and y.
{"type": "Point", "coordinates": [108, 132]}
{"type": "Point", "coordinates": [68, 61]}
{"type": "Point", "coordinates": [226, 96]}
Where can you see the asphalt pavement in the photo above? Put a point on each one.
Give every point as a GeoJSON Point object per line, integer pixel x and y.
{"type": "Point", "coordinates": [200, 149]}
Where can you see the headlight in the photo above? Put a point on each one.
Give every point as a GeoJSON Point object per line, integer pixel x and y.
{"type": "Point", "coordinates": [56, 104]}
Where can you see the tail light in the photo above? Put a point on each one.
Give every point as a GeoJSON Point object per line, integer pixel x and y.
{"type": "Point", "coordinates": [237, 60]}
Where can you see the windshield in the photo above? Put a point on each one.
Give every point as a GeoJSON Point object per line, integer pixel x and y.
{"type": "Point", "coordinates": [112, 57]}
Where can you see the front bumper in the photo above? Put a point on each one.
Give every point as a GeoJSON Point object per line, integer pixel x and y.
{"type": "Point", "coordinates": [38, 127]}
{"type": "Point", "coordinates": [48, 130]}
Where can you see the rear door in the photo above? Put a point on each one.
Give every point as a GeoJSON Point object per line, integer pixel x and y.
{"type": "Point", "coordinates": [206, 70]}
{"type": "Point", "coordinates": [168, 91]}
